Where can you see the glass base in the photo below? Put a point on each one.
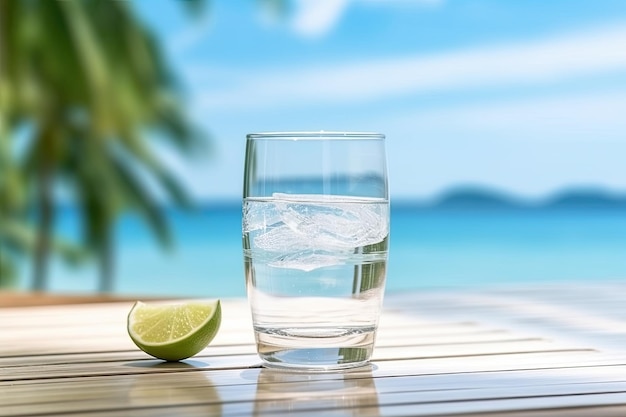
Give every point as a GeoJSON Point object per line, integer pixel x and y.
{"type": "Point", "coordinates": [311, 349]}
{"type": "Point", "coordinates": [317, 359]}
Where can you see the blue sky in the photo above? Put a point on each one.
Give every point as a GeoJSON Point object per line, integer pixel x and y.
{"type": "Point", "coordinates": [526, 97]}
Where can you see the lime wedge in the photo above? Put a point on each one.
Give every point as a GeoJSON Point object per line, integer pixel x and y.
{"type": "Point", "coordinates": [173, 332]}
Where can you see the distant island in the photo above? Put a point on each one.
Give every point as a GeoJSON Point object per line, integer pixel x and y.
{"type": "Point", "coordinates": [476, 198]}
{"type": "Point", "coordinates": [587, 200]}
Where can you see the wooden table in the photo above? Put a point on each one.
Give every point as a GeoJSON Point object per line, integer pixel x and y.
{"type": "Point", "coordinates": [545, 351]}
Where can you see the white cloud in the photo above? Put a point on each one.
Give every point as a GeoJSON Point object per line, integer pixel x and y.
{"type": "Point", "coordinates": [534, 62]}
{"type": "Point", "coordinates": [533, 146]}
{"type": "Point", "coordinates": [309, 18]}
{"type": "Point", "coordinates": [313, 18]}
{"type": "Point", "coordinates": [584, 117]}
{"type": "Point", "coordinates": [404, 3]}
{"type": "Point", "coordinates": [316, 18]}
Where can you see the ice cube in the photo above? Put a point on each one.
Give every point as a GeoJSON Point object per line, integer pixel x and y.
{"type": "Point", "coordinates": [335, 225]}
{"type": "Point", "coordinates": [310, 233]}
{"type": "Point", "coordinates": [259, 216]}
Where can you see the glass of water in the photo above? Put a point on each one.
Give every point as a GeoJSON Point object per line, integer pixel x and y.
{"type": "Point", "coordinates": [315, 243]}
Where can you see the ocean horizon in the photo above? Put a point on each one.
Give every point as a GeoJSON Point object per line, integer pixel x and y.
{"type": "Point", "coordinates": [431, 246]}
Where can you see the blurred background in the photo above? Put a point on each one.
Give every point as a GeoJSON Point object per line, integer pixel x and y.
{"type": "Point", "coordinates": [122, 135]}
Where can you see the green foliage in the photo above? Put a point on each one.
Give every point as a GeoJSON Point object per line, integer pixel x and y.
{"type": "Point", "coordinates": [90, 79]}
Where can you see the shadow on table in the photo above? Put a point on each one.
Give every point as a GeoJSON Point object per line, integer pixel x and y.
{"type": "Point", "coordinates": [160, 364]}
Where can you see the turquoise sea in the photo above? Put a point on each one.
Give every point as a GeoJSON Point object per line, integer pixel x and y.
{"type": "Point", "coordinates": [429, 248]}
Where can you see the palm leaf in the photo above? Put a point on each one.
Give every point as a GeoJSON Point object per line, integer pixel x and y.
{"type": "Point", "coordinates": [90, 79]}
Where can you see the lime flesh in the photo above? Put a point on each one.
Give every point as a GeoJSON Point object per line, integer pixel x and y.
{"type": "Point", "coordinates": [173, 332]}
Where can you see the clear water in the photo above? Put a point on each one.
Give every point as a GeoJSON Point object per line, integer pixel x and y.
{"type": "Point", "coordinates": [315, 275]}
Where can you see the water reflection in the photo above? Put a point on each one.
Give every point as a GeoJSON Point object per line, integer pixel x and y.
{"type": "Point", "coordinates": [354, 393]}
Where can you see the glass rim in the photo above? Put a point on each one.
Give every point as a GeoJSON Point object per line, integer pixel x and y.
{"type": "Point", "coordinates": [315, 135]}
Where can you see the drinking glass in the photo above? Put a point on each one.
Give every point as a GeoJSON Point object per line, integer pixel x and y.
{"type": "Point", "coordinates": [315, 243]}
